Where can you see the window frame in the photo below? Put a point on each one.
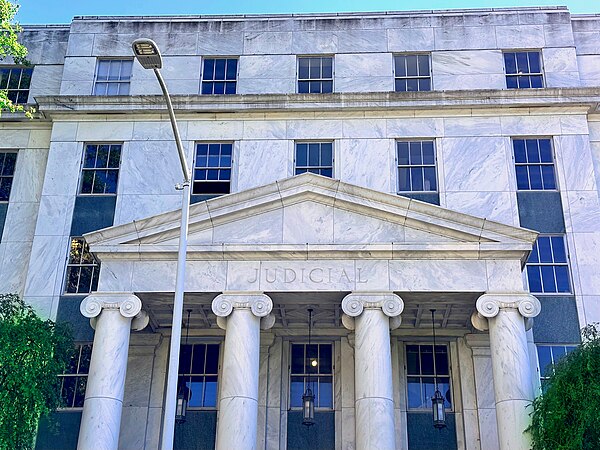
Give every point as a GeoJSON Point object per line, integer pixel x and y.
{"type": "Point", "coordinates": [566, 264]}
{"type": "Point", "coordinates": [421, 166]}
{"type": "Point", "coordinates": [83, 169]}
{"type": "Point", "coordinates": [316, 376]}
{"type": "Point", "coordinates": [527, 165]}
{"type": "Point", "coordinates": [417, 77]}
{"type": "Point", "coordinates": [529, 74]}
{"type": "Point", "coordinates": [308, 167]}
{"type": "Point", "coordinates": [568, 348]}
{"type": "Point", "coordinates": [120, 82]}
{"type": "Point", "coordinates": [321, 79]}
{"type": "Point", "coordinates": [207, 167]}
{"type": "Point", "coordinates": [181, 375]}
{"type": "Point", "coordinates": [3, 153]}
{"type": "Point", "coordinates": [18, 89]}
{"type": "Point", "coordinates": [427, 409]}
{"type": "Point", "coordinates": [213, 81]}
{"type": "Point", "coordinates": [95, 268]}
{"type": "Point", "coordinates": [77, 374]}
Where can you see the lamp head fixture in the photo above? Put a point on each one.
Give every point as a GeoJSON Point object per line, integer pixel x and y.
{"type": "Point", "coordinates": [147, 53]}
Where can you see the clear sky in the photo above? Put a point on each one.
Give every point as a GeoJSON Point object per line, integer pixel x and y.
{"type": "Point", "coordinates": [62, 11]}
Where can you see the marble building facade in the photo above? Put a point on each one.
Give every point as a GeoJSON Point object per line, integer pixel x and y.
{"type": "Point", "coordinates": [455, 159]}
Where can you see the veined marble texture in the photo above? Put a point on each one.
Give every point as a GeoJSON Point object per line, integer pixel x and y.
{"type": "Point", "coordinates": [587, 246]}
{"type": "Point", "coordinates": [267, 43]}
{"type": "Point", "coordinates": [78, 76]}
{"type": "Point", "coordinates": [262, 162]}
{"type": "Point", "coordinates": [497, 206]}
{"type": "Point", "coordinates": [64, 160]}
{"type": "Point", "coordinates": [574, 157]}
{"type": "Point", "coordinates": [267, 66]}
{"type": "Point", "coordinates": [589, 69]}
{"type": "Point", "coordinates": [363, 65]}
{"type": "Point", "coordinates": [409, 39]}
{"type": "Point", "coordinates": [470, 62]}
{"type": "Point", "coordinates": [520, 36]}
{"type": "Point", "coordinates": [359, 158]}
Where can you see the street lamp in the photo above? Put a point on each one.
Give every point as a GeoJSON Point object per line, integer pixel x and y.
{"type": "Point", "coordinates": [148, 55]}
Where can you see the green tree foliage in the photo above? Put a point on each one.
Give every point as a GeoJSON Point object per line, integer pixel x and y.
{"type": "Point", "coordinates": [567, 415]}
{"type": "Point", "coordinates": [9, 46]}
{"type": "Point", "coordinates": [32, 353]}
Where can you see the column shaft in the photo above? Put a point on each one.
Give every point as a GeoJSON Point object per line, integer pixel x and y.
{"type": "Point", "coordinates": [375, 427]}
{"type": "Point", "coordinates": [101, 419]}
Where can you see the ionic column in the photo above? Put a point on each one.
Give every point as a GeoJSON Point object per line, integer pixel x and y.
{"type": "Point", "coordinates": [113, 315]}
{"type": "Point", "coordinates": [241, 315]}
{"type": "Point", "coordinates": [507, 316]}
{"type": "Point", "coordinates": [369, 316]}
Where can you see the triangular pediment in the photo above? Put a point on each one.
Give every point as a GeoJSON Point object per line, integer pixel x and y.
{"type": "Point", "coordinates": [313, 212]}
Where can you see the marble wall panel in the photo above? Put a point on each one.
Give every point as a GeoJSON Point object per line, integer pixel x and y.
{"type": "Point", "coordinates": [587, 248]}
{"type": "Point", "coordinates": [44, 306]}
{"type": "Point", "coordinates": [352, 228]}
{"type": "Point", "coordinates": [45, 80]}
{"type": "Point", "coordinates": [364, 128]}
{"type": "Point", "coordinates": [264, 129]}
{"type": "Point", "coordinates": [475, 164]}
{"type": "Point", "coordinates": [266, 86]}
{"type": "Point", "coordinates": [574, 160]}
{"type": "Point", "coordinates": [587, 42]}
{"type": "Point", "coordinates": [414, 127]}
{"type": "Point", "coordinates": [364, 84]}
{"type": "Point", "coordinates": [262, 162]}
{"type": "Point", "coordinates": [562, 79]}
{"type": "Point", "coordinates": [410, 40]}
{"type": "Point", "coordinates": [267, 43]}
{"type": "Point", "coordinates": [583, 211]}
{"type": "Point", "coordinates": [497, 206]}
{"type": "Point", "coordinates": [267, 66]}
{"type": "Point", "coordinates": [424, 275]}
{"type": "Point", "coordinates": [574, 124]}
{"type": "Point", "coordinates": [472, 126]}
{"type": "Point", "coordinates": [591, 307]}
{"type": "Point", "coordinates": [468, 82]}
{"type": "Point", "coordinates": [45, 265]}
{"type": "Point", "coordinates": [464, 38]}
{"type": "Point", "coordinates": [520, 36]}
{"type": "Point", "coordinates": [153, 276]}
{"type": "Point", "coordinates": [314, 129]}
{"type": "Point", "coordinates": [39, 139]}
{"type": "Point", "coordinates": [558, 35]}
{"type": "Point", "coordinates": [157, 130]}
{"type": "Point", "coordinates": [530, 125]}
{"type": "Point", "coordinates": [80, 44]}
{"type": "Point", "coordinates": [20, 221]}
{"type": "Point", "coordinates": [78, 75]}
{"type": "Point", "coordinates": [109, 131]}
{"type": "Point", "coordinates": [219, 44]}
{"type": "Point", "coordinates": [266, 228]}
{"type": "Point", "coordinates": [363, 65]}
{"type": "Point", "coordinates": [115, 276]}
{"type": "Point", "coordinates": [29, 174]}
{"type": "Point", "coordinates": [133, 420]}
{"type": "Point", "coordinates": [218, 130]}
{"type": "Point", "coordinates": [14, 266]}
{"type": "Point", "coordinates": [504, 276]}
{"type": "Point", "coordinates": [14, 139]}
{"type": "Point", "coordinates": [589, 69]}
{"type": "Point", "coordinates": [69, 87]}
{"type": "Point", "coordinates": [139, 374]}
{"type": "Point", "coordinates": [308, 222]}
{"type": "Point", "coordinates": [359, 41]}
{"type": "Point", "coordinates": [322, 275]}
{"type": "Point", "coordinates": [314, 43]}
{"type": "Point", "coordinates": [139, 206]}
{"type": "Point", "coordinates": [595, 148]}
{"type": "Point", "coordinates": [45, 46]}
{"type": "Point", "coordinates": [62, 169]}
{"type": "Point", "coordinates": [241, 275]}
{"type": "Point", "coordinates": [115, 44]}
{"type": "Point", "coordinates": [561, 59]}
{"type": "Point", "coordinates": [472, 62]}
{"type": "Point", "coordinates": [367, 163]}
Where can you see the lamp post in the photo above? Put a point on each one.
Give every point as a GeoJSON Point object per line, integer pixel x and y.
{"type": "Point", "coordinates": [148, 55]}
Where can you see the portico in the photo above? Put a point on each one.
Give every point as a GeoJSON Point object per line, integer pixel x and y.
{"type": "Point", "coordinates": [369, 263]}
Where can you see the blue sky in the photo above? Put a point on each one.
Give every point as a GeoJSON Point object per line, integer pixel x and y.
{"type": "Point", "coordinates": [61, 11]}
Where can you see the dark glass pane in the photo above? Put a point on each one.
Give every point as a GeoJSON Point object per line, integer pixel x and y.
{"type": "Point", "coordinates": [5, 185]}
{"type": "Point", "coordinates": [533, 257]}
{"type": "Point", "coordinates": [226, 150]}
{"type": "Point", "coordinates": [314, 87]}
{"type": "Point", "coordinates": [524, 82]}
{"type": "Point", "coordinates": [441, 361]}
{"type": "Point", "coordinates": [311, 355]}
{"type": "Point", "coordinates": [102, 156]}
{"type": "Point", "coordinates": [428, 391]}
{"type": "Point", "coordinates": [403, 159]}
{"type": "Point", "coordinates": [416, 175]}
{"type": "Point", "coordinates": [545, 360]}
{"type": "Point", "coordinates": [412, 84]}
{"type": "Point", "coordinates": [185, 359]}
{"type": "Point", "coordinates": [112, 89]}
{"type": "Point", "coordinates": [210, 392]}
{"type": "Point", "coordinates": [423, 65]}
{"type": "Point", "coordinates": [12, 96]}
{"type": "Point", "coordinates": [209, 69]}
{"type": "Point", "coordinates": [201, 150]}
{"type": "Point", "coordinates": [196, 387]}
{"type": "Point", "coordinates": [412, 360]}
{"type": "Point", "coordinates": [522, 63]}
{"type": "Point", "coordinates": [303, 87]}
{"type": "Point", "coordinates": [218, 87]}
{"type": "Point", "coordinates": [427, 359]}
{"type": "Point", "coordinates": [72, 279]}
{"type": "Point", "coordinates": [558, 249]}
{"type": "Point", "coordinates": [214, 149]}
{"type": "Point", "coordinates": [85, 279]}
{"type": "Point", "coordinates": [522, 178]}
{"type": "Point", "coordinates": [325, 392]}
{"type": "Point", "coordinates": [26, 78]}
{"type": "Point", "coordinates": [415, 153]}
{"type": "Point", "coordinates": [511, 83]}
{"type": "Point", "coordinates": [444, 388]}
{"type": "Point", "coordinates": [13, 81]}
{"type": "Point", "coordinates": [231, 71]}
{"type": "Point", "coordinates": [510, 63]}
{"type": "Point", "coordinates": [4, 76]}
{"type": "Point", "coordinates": [89, 161]}
{"type": "Point", "coordinates": [297, 358]}
{"type": "Point", "coordinates": [301, 154]}
{"type": "Point", "coordinates": [230, 87]}
{"type": "Point", "coordinates": [327, 172]}
{"type": "Point", "coordinates": [424, 84]}
{"type": "Point", "coordinates": [325, 358]}
{"type": "Point", "coordinates": [111, 181]}
{"type": "Point", "coordinates": [536, 81]}
{"type": "Point", "coordinates": [212, 359]}
{"type": "Point", "coordinates": [548, 281]}
{"type": "Point", "coordinates": [10, 160]}
{"type": "Point", "coordinates": [548, 177]}
{"type": "Point", "coordinates": [326, 154]}
{"type": "Point", "coordinates": [400, 85]}
{"type": "Point", "coordinates": [73, 362]}
{"type": "Point", "coordinates": [411, 66]}
{"type": "Point", "coordinates": [534, 62]}
{"type": "Point", "coordinates": [430, 181]}
{"type": "Point", "coordinates": [519, 150]}
{"type": "Point", "coordinates": [114, 157]}
{"type": "Point", "coordinates": [327, 68]}
{"type": "Point", "coordinates": [535, 177]}
{"type": "Point", "coordinates": [68, 391]}
{"type": "Point", "coordinates": [533, 153]}
{"type": "Point", "coordinates": [414, 392]}
{"type": "Point", "coordinates": [400, 67]}
{"type": "Point", "coordinates": [296, 391]}
{"type": "Point", "coordinates": [303, 65]}
{"type": "Point", "coordinates": [327, 87]}
{"type": "Point", "coordinates": [404, 179]}
{"type": "Point", "coordinates": [198, 358]}
{"type": "Point", "coordinates": [314, 170]}
{"type": "Point", "coordinates": [84, 362]}
{"type": "Point", "coordinates": [22, 97]}
{"type": "Point", "coordinates": [123, 88]}
{"type": "Point", "coordinates": [545, 150]}
{"type": "Point", "coordinates": [314, 154]}
{"type": "Point", "coordinates": [562, 279]}
{"type": "Point", "coordinates": [224, 174]}
{"type": "Point", "coordinates": [80, 392]}
{"type": "Point", "coordinates": [220, 69]}
{"type": "Point", "coordinates": [199, 175]}
{"type": "Point", "coordinates": [99, 181]}
{"type": "Point", "coordinates": [207, 87]}
{"type": "Point", "coordinates": [95, 271]}
{"type": "Point", "coordinates": [314, 70]}
{"type": "Point", "coordinates": [558, 353]}
{"type": "Point", "coordinates": [543, 244]}
{"type": "Point", "coordinates": [534, 278]}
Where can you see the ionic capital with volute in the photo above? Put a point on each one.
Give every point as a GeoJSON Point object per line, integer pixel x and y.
{"type": "Point", "coordinates": [126, 303]}
{"type": "Point", "coordinates": [355, 303]}
{"type": "Point", "coordinates": [489, 305]}
{"type": "Point", "coordinates": [260, 304]}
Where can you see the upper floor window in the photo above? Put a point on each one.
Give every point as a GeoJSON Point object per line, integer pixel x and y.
{"type": "Point", "coordinates": [198, 371]}
{"type": "Point", "coordinates": [82, 268]}
{"type": "Point", "coordinates": [113, 77]}
{"type": "Point", "coordinates": [315, 74]}
{"type": "Point", "coordinates": [16, 81]}
{"type": "Point", "coordinates": [219, 75]}
{"type": "Point", "coordinates": [74, 380]}
{"type": "Point", "coordinates": [534, 164]}
{"type": "Point", "coordinates": [416, 166]}
{"type": "Point", "coordinates": [523, 70]}
{"type": "Point", "coordinates": [212, 169]}
{"type": "Point", "coordinates": [8, 161]}
{"type": "Point", "coordinates": [548, 356]}
{"type": "Point", "coordinates": [100, 171]}
{"type": "Point", "coordinates": [423, 372]}
{"type": "Point", "coordinates": [314, 157]}
{"type": "Point", "coordinates": [412, 73]}
{"type": "Point", "coordinates": [547, 266]}
{"type": "Point", "coordinates": [312, 365]}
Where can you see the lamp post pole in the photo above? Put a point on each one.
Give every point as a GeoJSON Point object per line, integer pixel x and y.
{"type": "Point", "coordinates": [148, 54]}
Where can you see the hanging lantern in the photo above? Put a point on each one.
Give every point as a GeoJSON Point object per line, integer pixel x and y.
{"type": "Point", "coordinates": [439, 414]}
{"type": "Point", "coordinates": [183, 397]}
{"type": "Point", "coordinates": [308, 408]}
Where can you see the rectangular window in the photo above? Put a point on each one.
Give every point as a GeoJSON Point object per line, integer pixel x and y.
{"type": "Point", "coordinates": [16, 81]}
{"type": "Point", "coordinates": [212, 170]}
{"type": "Point", "coordinates": [113, 77]}
{"type": "Point", "coordinates": [74, 379]}
{"type": "Point", "coordinates": [534, 164]}
{"type": "Point", "coordinates": [523, 70]}
{"type": "Point", "coordinates": [314, 157]}
{"type": "Point", "coordinates": [315, 74]}
{"type": "Point", "coordinates": [412, 73]}
{"type": "Point", "coordinates": [312, 365]}
{"type": "Point", "coordinates": [547, 266]}
{"type": "Point", "coordinates": [219, 75]}
{"type": "Point", "coordinates": [82, 268]}
{"type": "Point", "coordinates": [100, 171]}
{"type": "Point", "coordinates": [199, 369]}
{"type": "Point", "coordinates": [548, 356]}
{"type": "Point", "coordinates": [416, 166]}
{"type": "Point", "coordinates": [8, 161]}
{"type": "Point", "coordinates": [422, 372]}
